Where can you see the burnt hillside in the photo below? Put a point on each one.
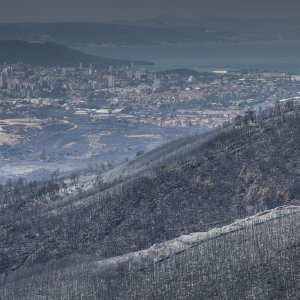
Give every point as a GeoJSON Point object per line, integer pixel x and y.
{"type": "Point", "coordinates": [253, 258]}
{"type": "Point", "coordinates": [192, 185]}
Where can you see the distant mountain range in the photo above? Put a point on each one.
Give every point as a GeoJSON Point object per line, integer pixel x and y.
{"type": "Point", "coordinates": [164, 225]}
{"type": "Point", "coordinates": [50, 54]}
{"type": "Point", "coordinates": [160, 30]}
{"type": "Point", "coordinates": [255, 27]}
{"type": "Point", "coordinates": [82, 34]}
{"type": "Point", "coordinates": [227, 23]}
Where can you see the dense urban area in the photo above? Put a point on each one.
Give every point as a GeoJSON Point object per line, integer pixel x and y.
{"type": "Point", "coordinates": [178, 98]}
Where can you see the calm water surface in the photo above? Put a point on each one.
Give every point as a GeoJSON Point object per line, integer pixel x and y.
{"type": "Point", "coordinates": [267, 55]}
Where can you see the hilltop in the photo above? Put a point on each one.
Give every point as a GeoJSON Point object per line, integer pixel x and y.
{"type": "Point", "coordinates": [49, 54]}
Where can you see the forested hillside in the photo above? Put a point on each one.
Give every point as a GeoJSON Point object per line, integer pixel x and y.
{"type": "Point", "coordinates": [192, 185]}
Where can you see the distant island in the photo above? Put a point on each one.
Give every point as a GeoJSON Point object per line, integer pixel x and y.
{"type": "Point", "coordinates": [51, 54]}
{"type": "Point", "coordinates": [163, 30]}
{"type": "Point", "coordinates": [101, 34]}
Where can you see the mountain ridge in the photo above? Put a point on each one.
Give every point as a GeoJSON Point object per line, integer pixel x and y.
{"type": "Point", "coordinates": [51, 54]}
{"type": "Point", "coordinates": [103, 34]}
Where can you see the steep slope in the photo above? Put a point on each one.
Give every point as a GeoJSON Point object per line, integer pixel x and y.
{"type": "Point", "coordinates": [49, 54]}
{"type": "Point", "coordinates": [254, 258]}
{"type": "Point", "coordinates": [188, 186]}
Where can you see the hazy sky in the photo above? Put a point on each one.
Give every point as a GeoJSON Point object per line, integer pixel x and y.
{"type": "Point", "coordinates": [101, 10]}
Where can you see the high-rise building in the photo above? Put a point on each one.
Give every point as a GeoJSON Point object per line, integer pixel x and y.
{"type": "Point", "coordinates": [110, 81]}
{"type": "Point", "coordinates": [138, 74]}
{"type": "Point", "coordinates": [91, 67]}
{"type": "Point", "coordinates": [1, 81]}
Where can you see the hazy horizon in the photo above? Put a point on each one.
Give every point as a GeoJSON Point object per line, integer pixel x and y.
{"type": "Point", "coordinates": [13, 11]}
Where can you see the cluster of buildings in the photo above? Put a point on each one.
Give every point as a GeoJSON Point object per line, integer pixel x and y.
{"type": "Point", "coordinates": [25, 81]}
{"type": "Point", "coordinates": [172, 98]}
